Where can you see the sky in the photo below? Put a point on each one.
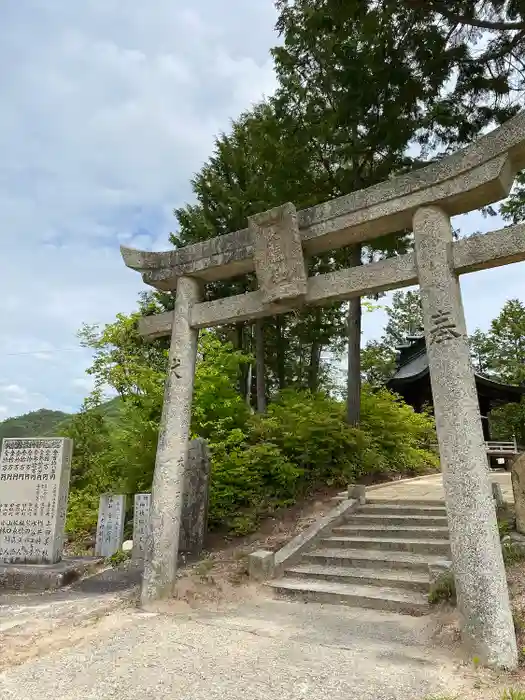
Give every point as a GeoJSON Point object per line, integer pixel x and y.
{"type": "Point", "coordinates": [107, 110]}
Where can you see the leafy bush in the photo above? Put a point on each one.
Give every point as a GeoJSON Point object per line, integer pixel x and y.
{"type": "Point", "coordinates": [444, 589]}
{"type": "Point", "coordinates": [303, 442]}
{"type": "Point", "coordinates": [248, 481]}
{"type": "Point", "coordinates": [259, 462]}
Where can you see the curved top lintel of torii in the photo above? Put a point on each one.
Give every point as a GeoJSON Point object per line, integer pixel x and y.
{"type": "Point", "coordinates": [475, 176]}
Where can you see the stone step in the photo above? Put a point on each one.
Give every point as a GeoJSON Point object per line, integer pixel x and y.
{"type": "Point", "coordinates": [416, 545]}
{"type": "Point", "coordinates": [430, 502]}
{"type": "Point", "coordinates": [397, 520]}
{"type": "Point", "coordinates": [403, 509]}
{"type": "Point", "coordinates": [371, 559]}
{"type": "Point", "coordinates": [393, 578]}
{"type": "Point", "coordinates": [389, 531]}
{"type": "Point", "coordinates": [362, 596]}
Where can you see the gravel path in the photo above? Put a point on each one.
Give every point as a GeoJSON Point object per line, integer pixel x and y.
{"type": "Point", "coordinates": [257, 650]}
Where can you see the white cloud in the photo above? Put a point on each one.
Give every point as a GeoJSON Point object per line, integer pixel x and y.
{"type": "Point", "coordinates": [83, 383]}
{"type": "Point", "coordinates": [106, 113]}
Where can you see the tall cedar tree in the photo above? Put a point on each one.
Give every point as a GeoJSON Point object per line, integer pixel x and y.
{"type": "Point", "coordinates": [365, 79]}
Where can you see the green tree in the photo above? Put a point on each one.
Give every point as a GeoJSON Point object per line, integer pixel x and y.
{"type": "Point", "coordinates": [479, 352]}
{"type": "Point", "coordinates": [506, 343]}
{"type": "Point", "coordinates": [91, 438]}
{"type": "Point", "coordinates": [258, 165]}
{"type": "Point", "coordinates": [485, 42]}
{"type": "Point", "coordinates": [378, 358]}
{"type": "Point", "coordinates": [345, 83]}
{"type": "Point", "coordinates": [366, 79]}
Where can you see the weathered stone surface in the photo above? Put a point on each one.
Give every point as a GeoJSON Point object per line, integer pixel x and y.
{"type": "Point", "coordinates": [278, 254]}
{"type": "Point", "coordinates": [43, 577]}
{"type": "Point", "coordinates": [475, 253]}
{"type": "Point", "coordinates": [261, 565]}
{"type": "Point", "coordinates": [141, 522]}
{"type": "Point", "coordinates": [194, 515]}
{"type": "Point", "coordinates": [34, 486]}
{"type": "Point", "coordinates": [481, 583]}
{"type": "Point", "coordinates": [473, 177]}
{"type": "Point", "coordinates": [357, 492]}
{"type": "Point", "coordinates": [436, 572]}
{"type": "Point", "coordinates": [293, 549]}
{"type": "Point", "coordinates": [110, 525]}
{"type": "Point", "coordinates": [497, 494]}
{"type": "Point", "coordinates": [168, 480]}
{"type": "Point", "coordinates": [518, 487]}
{"type": "Point", "coordinates": [518, 542]}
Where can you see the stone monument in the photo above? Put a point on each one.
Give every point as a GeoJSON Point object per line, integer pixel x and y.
{"type": "Point", "coordinates": [274, 246]}
{"type": "Point", "coordinates": [141, 517]}
{"type": "Point", "coordinates": [34, 486]}
{"type": "Point", "coordinates": [518, 488]}
{"type": "Point", "coordinates": [194, 516]}
{"type": "Point", "coordinates": [110, 526]}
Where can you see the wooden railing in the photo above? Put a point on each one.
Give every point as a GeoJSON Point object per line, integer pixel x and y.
{"type": "Point", "coordinates": [496, 447]}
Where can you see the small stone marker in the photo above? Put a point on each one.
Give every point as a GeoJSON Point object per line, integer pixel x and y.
{"type": "Point", "coordinates": [34, 485]}
{"type": "Point", "coordinates": [110, 526]}
{"type": "Point", "coordinates": [140, 524]}
{"type": "Point", "coordinates": [194, 516]}
{"type": "Point", "coordinates": [518, 488]}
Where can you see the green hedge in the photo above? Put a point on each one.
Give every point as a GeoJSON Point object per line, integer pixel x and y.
{"type": "Point", "coordinates": [303, 443]}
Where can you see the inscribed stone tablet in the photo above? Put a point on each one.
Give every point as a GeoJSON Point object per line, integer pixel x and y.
{"type": "Point", "coordinates": [194, 516]}
{"type": "Point", "coordinates": [278, 254]}
{"type": "Point", "coordinates": [141, 518]}
{"type": "Point", "coordinates": [34, 486]}
{"type": "Point", "coordinates": [110, 526]}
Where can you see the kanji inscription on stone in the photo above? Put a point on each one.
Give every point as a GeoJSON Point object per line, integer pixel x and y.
{"type": "Point", "coordinates": [141, 520]}
{"type": "Point", "coordinates": [278, 254]}
{"type": "Point", "coordinates": [34, 486]}
{"type": "Point", "coordinates": [443, 327]}
{"type": "Point", "coordinates": [110, 526]}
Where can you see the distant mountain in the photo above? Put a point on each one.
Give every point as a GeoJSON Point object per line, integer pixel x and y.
{"type": "Point", "coordinates": [46, 423]}
{"type": "Point", "coordinates": [41, 423]}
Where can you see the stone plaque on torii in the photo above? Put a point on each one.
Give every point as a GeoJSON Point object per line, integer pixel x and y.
{"type": "Point", "coordinates": [274, 246]}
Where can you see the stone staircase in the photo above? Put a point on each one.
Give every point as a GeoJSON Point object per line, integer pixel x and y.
{"type": "Point", "coordinates": [378, 558]}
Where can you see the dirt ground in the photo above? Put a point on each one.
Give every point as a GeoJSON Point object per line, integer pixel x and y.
{"type": "Point", "coordinates": [39, 625]}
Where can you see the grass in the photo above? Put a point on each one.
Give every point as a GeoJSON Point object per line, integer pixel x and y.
{"type": "Point", "coordinates": [443, 589]}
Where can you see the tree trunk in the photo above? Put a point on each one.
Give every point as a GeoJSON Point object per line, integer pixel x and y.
{"type": "Point", "coordinates": [315, 359]}
{"type": "Point", "coordinates": [260, 375]}
{"type": "Point", "coordinates": [281, 369]}
{"type": "Point", "coordinates": [239, 345]}
{"type": "Point", "coordinates": [248, 396]}
{"type": "Point", "coordinates": [353, 393]}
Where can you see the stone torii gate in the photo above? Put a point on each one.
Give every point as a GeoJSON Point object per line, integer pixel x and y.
{"type": "Point", "coordinates": [274, 246]}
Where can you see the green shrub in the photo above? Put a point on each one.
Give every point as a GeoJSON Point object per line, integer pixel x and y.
{"type": "Point", "coordinates": [444, 589]}
{"type": "Point", "coordinates": [402, 436]}
{"type": "Point", "coordinates": [259, 462]}
{"type": "Point", "coordinates": [118, 558]}
{"type": "Point", "coordinates": [248, 481]}
{"type": "Point", "coordinates": [512, 553]}
{"type": "Point", "coordinates": [310, 431]}
{"type": "Point", "coordinates": [302, 443]}
{"type": "Point", "coordinates": [513, 695]}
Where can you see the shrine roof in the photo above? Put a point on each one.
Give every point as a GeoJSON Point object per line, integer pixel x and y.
{"type": "Point", "coordinates": [413, 367]}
